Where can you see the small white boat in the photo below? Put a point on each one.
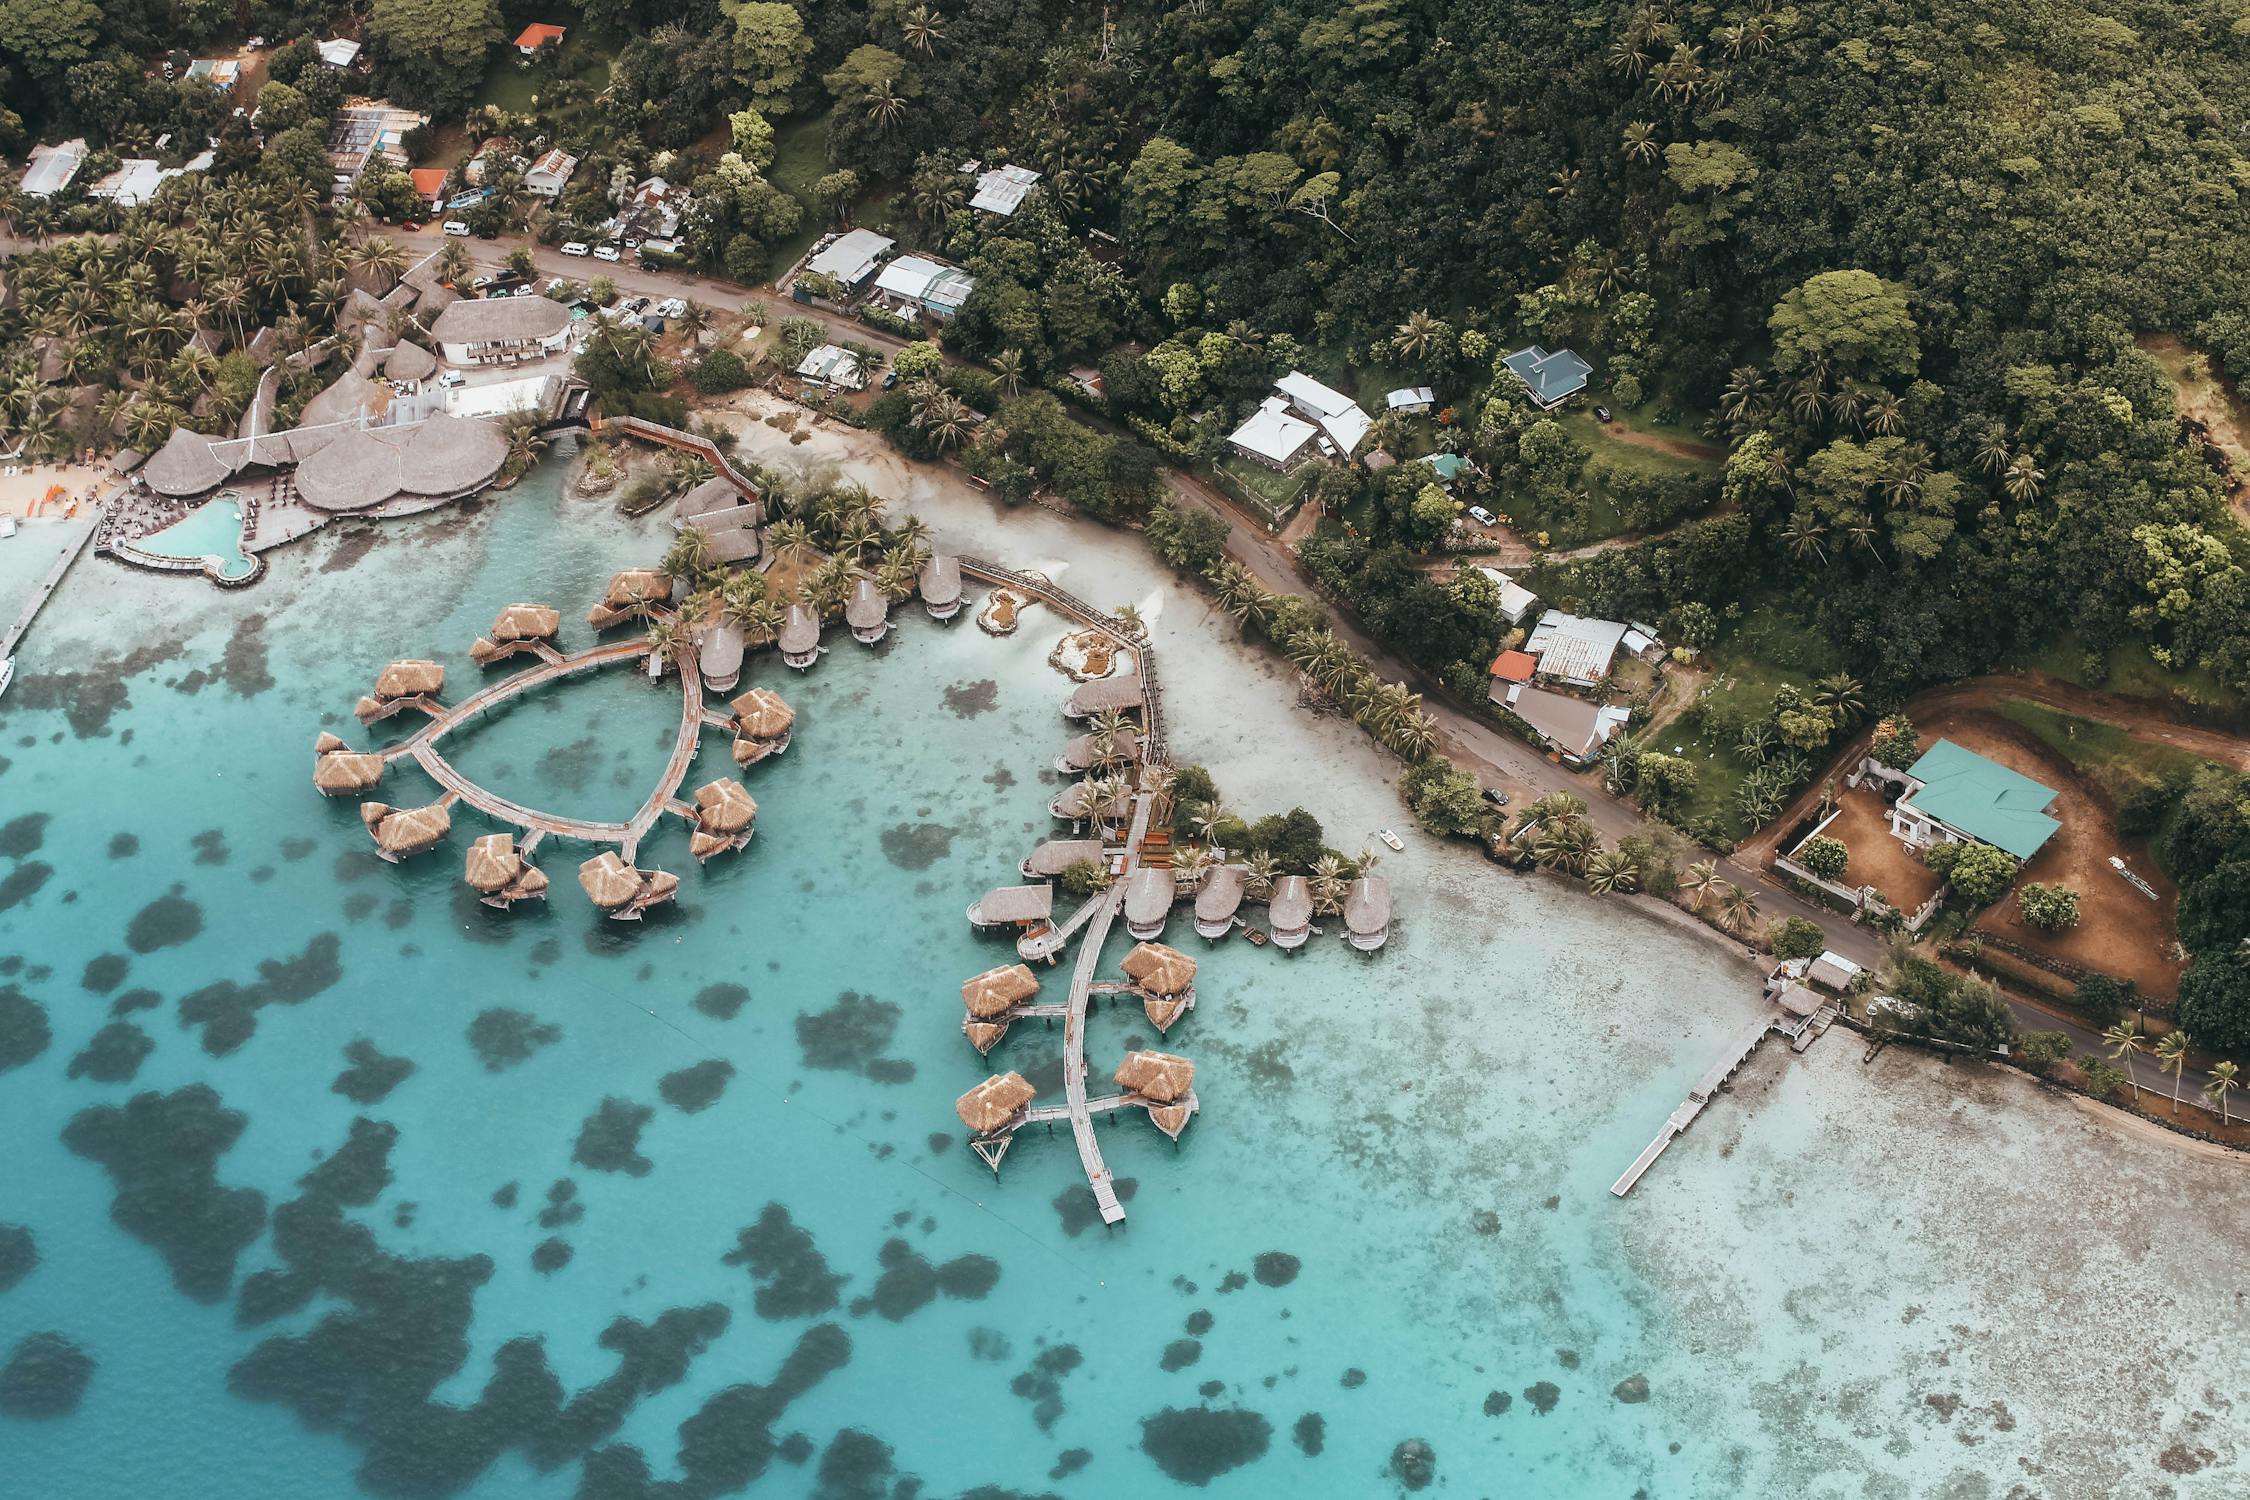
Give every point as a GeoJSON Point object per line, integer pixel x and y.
{"type": "Point", "coordinates": [1392, 839]}
{"type": "Point", "coordinates": [7, 672]}
{"type": "Point", "coordinates": [7, 527]}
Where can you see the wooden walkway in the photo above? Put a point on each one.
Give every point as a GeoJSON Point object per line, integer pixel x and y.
{"type": "Point", "coordinates": [1801, 1031]}
{"type": "Point", "coordinates": [421, 746]}
{"type": "Point", "coordinates": [1062, 601]}
{"type": "Point", "coordinates": [44, 590]}
{"type": "Point", "coordinates": [686, 442]}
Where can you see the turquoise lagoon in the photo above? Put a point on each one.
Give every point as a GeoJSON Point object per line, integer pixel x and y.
{"type": "Point", "coordinates": [682, 1208]}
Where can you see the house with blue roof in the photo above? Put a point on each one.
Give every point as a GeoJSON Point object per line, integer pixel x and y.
{"type": "Point", "coordinates": [1954, 795]}
{"type": "Point", "coordinates": [1552, 377]}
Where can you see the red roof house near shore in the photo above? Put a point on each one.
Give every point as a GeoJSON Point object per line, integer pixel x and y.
{"type": "Point", "coordinates": [535, 37]}
{"type": "Point", "coordinates": [1514, 666]}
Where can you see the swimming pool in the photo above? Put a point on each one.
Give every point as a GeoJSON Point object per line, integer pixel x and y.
{"type": "Point", "coordinates": [212, 532]}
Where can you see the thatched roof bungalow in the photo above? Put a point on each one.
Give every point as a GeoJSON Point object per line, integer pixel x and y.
{"type": "Point", "coordinates": [718, 656]}
{"type": "Point", "coordinates": [1289, 909]}
{"type": "Point", "coordinates": [1013, 905]}
{"type": "Point", "coordinates": [340, 771]}
{"type": "Point", "coordinates": [1086, 751]}
{"type": "Point", "coordinates": [519, 626]}
{"type": "Point", "coordinates": [1148, 900]}
{"type": "Point", "coordinates": [493, 863]}
{"type": "Point", "coordinates": [629, 596]}
{"type": "Point", "coordinates": [620, 889]}
{"type": "Point", "coordinates": [868, 613]}
{"type": "Point", "coordinates": [991, 1105]}
{"type": "Point", "coordinates": [400, 831]}
{"type": "Point", "coordinates": [414, 678]}
{"type": "Point", "coordinates": [1057, 855]}
{"type": "Point", "coordinates": [1160, 1076]}
{"type": "Point", "coordinates": [1218, 898]}
{"type": "Point", "coordinates": [1121, 693]}
{"type": "Point", "coordinates": [800, 637]}
{"type": "Point", "coordinates": [1367, 912]}
{"type": "Point", "coordinates": [185, 466]}
{"type": "Point", "coordinates": [995, 992]}
{"type": "Point", "coordinates": [1078, 803]}
{"type": "Point", "coordinates": [941, 586]}
{"type": "Point", "coordinates": [1166, 980]}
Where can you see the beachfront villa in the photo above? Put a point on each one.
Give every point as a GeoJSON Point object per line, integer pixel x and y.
{"type": "Point", "coordinates": [1953, 795]}
{"type": "Point", "coordinates": [1148, 901]}
{"type": "Point", "coordinates": [867, 613]}
{"type": "Point", "coordinates": [941, 586]}
{"type": "Point", "coordinates": [1367, 913]}
{"type": "Point", "coordinates": [1218, 898]}
{"type": "Point", "coordinates": [800, 637]}
{"type": "Point", "coordinates": [1290, 910]}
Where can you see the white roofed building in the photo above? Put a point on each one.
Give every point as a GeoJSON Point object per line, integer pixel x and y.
{"type": "Point", "coordinates": [1001, 190]}
{"type": "Point", "coordinates": [915, 283]}
{"type": "Point", "coordinates": [1574, 649]}
{"type": "Point", "coordinates": [1515, 599]}
{"type": "Point", "coordinates": [339, 52]}
{"type": "Point", "coordinates": [851, 257]}
{"type": "Point", "coordinates": [1273, 436]}
{"type": "Point", "coordinates": [1335, 413]}
{"type": "Point", "coordinates": [50, 169]}
{"type": "Point", "coordinates": [832, 366]}
{"type": "Point", "coordinates": [548, 176]}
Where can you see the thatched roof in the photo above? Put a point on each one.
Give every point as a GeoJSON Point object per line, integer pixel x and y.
{"type": "Point", "coordinates": [409, 830]}
{"type": "Point", "coordinates": [184, 466]}
{"type": "Point", "coordinates": [724, 807]}
{"type": "Point", "coordinates": [994, 1102]}
{"type": "Point", "coordinates": [1290, 906]}
{"type": "Point", "coordinates": [719, 655]}
{"type": "Point", "coordinates": [448, 455]}
{"type": "Point", "coordinates": [352, 394]}
{"type": "Point", "coordinates": [714, 496]}
{"type": "Point", "coordinates": [638, 586]}
{"type": "Point", "coordinates": [1075, 801]}
{"type": "Point", "coordinates": [410, 362]}
{"type": "Point", "coordinates": [609, 882]}
{"type": "Point", "coordinates": [1057, 855]}
{"type": "Point", "coordinates": [338, 769]}
{"type": "Point", "coordinates": [1120, 692]}
{"type": "Point", "coordinates": [493, 862]}
{"type": "Point", "coordinates": [409, 679]}
{"type": "Point", "coordinates": [529, 881]}
{"type": "Point", "coordinates": [868, 608]}
{"type": "Point", "coordinates": [941, 579]}
{"type": "Point", "coordinates": [1156, 1075]}
{"type": "Point", "coordinates": [762, 715]}
{"type": "Point", "coordinates": [1149, 893]}
{"type": "Point", "coordinates": [983, 1034]}
{"type": "Point", "coordinates": [1158, 969]}
{"type": "Point", "coordinates": [1367, 905]}
{"type": "Point", "coordinates": [1220, 895]}
{"type": "Point", "coordinates": [1081, 754]}
{"type": "Point", "coordinates": [527, 622]}
{"type": "Point", "coordinates": [1016, 903]}
{"type": "Point", "coordinates": [995, 990]}
{"type": "Point", "coordinates": [702, 844]}
{"type": "Point", "coordinates": [800, 632]}
{"type": "Point", "coordinates": [487, 320]}
{"type": "Point", "coordinates": [1162, 1010]}
{"type": "Point", "coordinates": [356, 471]}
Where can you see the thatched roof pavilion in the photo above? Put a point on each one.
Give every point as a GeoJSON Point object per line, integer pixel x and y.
{"type": "Point", "coordinates": [1077, 803]}
{"type": "Point", "coordinates": [941, 586]}
{"type": "Point", "coordinates": [800, 637]}
{"type": "Point", "coordinates": [718, 656]}
{"type": "Point", "coordinates": [989, 1106]}
{"type": "Point", "coordinates": [409, 362]}
{"type": "Point", "coordinates": [1084, 752]}
{"type": "Point", "coordinates": [1023, 905]}
{"type": "Point", "coordinates": [400, 831]}
{"type": "Point", "coordinates": [1160, 970]}
{"type": "Point", "coordinates": [493, 863]}
{"type": "Point", "coordinates": [339, 770]}
{"type": "Point", "coordinates": [185, 466]}
{"type": "Point", "coordinates": [1218, 898]}
{"type": "Point", "coordinates": [1054, 856]}
{"type": "Point", "coordinates": [1367, 912]}
{"type": "Point", "coordinates": [760, 714]}
{"type": "Point", "coordinates": [1120, 693]}
{"type": "Point", "coordinates": [413, 678]}
{"type": "Point", "coordinates": [1148, 900]}
{"type": "Point", "coordinates": [518, 625]}
{"type": "Point", "coordinates": [983, 1035]}
{"type": "Point", "coordinates": [868, 613]}
{"type": "Point", "coordinates": [722, 806]}
{"type": "Point", "coordinates": [629, 594]}
{"type": "Point", "coordinates": [995, 992]}
{"type": "Point", "coordinates": [1290, 911]}
{"type": "Point", "coordinates": [1160, 1076]}
{"type": "Point", "coordinates": [620, 889]}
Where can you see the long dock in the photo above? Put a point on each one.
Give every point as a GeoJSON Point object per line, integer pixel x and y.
{"type": "Point", "coordinates": [44, 590]}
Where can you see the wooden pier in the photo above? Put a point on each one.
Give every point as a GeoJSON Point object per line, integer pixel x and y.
{"type": "Point", "coordinates": [1802, 1032]}
{"type": "Point", "coordinates": [43, 590]}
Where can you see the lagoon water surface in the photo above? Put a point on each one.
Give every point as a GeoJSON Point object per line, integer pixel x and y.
{"type": "Point", "coordinates": [320, 1176]}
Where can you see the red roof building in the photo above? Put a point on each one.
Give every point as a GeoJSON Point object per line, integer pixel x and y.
{"type": "Point", "coordinates": [429, 184]}
{"type": "Point", "coordinates": [535, 37]}
{"type": "Point", "coordinates": [1514, 666]}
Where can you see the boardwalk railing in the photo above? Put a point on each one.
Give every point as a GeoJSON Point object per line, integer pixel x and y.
{"type": "Point", "coordinates": [687, 442]}
{"type": "Point", "coordinates": [1061, 599]}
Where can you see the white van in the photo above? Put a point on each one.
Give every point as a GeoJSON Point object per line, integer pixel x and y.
{"type": "Point", "coordinates": [456, 228]}
{"type": "Point", "coordinates": [452, 378]}
{"type": "Point", "coordinates": [605, 252]}
{"type": "Point", "coordinates": [574, 248]}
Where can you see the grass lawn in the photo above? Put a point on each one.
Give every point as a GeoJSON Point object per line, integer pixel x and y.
{"type": "Point", "coordinates": [800, 159]}
{"type": "Point", "coordinates": [2128, 670]}
{"type": "Point", "coordinates": [2108, 757]}
{"type": "Point", "coordinates": [1767, 650]}
{"type": "Point", "coordinates": [1272, 491]}
{"type": "Point", "coordinates": [513, 87]}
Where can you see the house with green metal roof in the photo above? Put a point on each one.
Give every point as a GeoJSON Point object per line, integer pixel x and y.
{"type": "Point", "coordinates": [1954, 795]}
{"type": "Point", "coordinates": [1552, 376]}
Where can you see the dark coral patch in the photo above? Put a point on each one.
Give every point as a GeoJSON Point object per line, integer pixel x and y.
{"type": "Point", "coordinates": [211, 846]}
{"type": "Point", "coordinates": [909, 1283]}
{"type": "Point", "coordinates": [294, 849]}
{"type": "Point", "coordinates": [1076, 1207]}
{"type": "Point", "coordinates": [1496, 1403]}
{"type": "Point", "coordinates": [1199, 1322]}
{"type": "Point", "coordinates": [1632, 1390]}
{"type": "Point", "coordinates": [562, 1207]}
{"type": "Point", "coordinates": [610, 1138]}
{"type": "Point", "coordinates": [46, 1377]}
{"type": "Point", "coordinates": [1543, 1396]}
{"type": "Point", "coordinates": [1041, 1384]}
{"type": "Point", "coordinates": [162, 1153]}
{"type": "Point", "coordinates": [1179, 1354]}
{"type": "Point", "coordinates": [23, 882]}
{"type": "Point", "coordinates": [723, 1001]}
{"type": "Point", "coordinates": [505, 1195]}
{"type": "Point", "coordinates": [1275, 1268]}
{"type": "Point", "coordinates": [849, 1037]}
{"type": "Point", "coordinates": [1415, 1463]}
{"type": "Point", "coordinates": [166, 922]}
{"type": "Point", "coordinates": [698, 1087]}
{"type": "Point", "coordinates": [1196, 1444]}
{"type": "Point", "coordinates": [550, 1256]}
{"type": "Point", "coordinates": [23, 835]}
{"type": "Point", "coordinates": [917, 846]}
{"type": "Point", "coordinates": [968, 699]}
{"type": "Point", "coordinates": [1311, 1433]}
{"type": "Point", "coordinates": [104, 972]}
{"type": "Point", "coordinates": [857, 1466]}
{"type": "Point", "coordinates": [1070, 1461]}
{"type": "Point", "coordinates": [133, 1000]}
{"type": "Point", "coordinates": [228, 1011]}
{"type": "Point", "coordinates": [372, 1073]}
{"type": "Point", "coordinates": [124, 845]}
{"type": "Point", "coordinates": [24, 1032]}
{"type": "Point", "coordinates": [503, 1037]}
{"type": "Point", "coordinates": [19, 1254]}
{"type": "Point", "coordinates": [113, 1054]}
{"type": "Point", "coordinates": [793, 1279]}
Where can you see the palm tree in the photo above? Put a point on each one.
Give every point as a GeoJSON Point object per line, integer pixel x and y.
{"type": "Point", "coordinates": [884, 104]}
{"type": "Point", "coordinates": [379, 257]}
{"type": "Point", "coordinates": [665, 642]}
{"type": "Point", "coordinates": [895, 579]}
{"type": "Point", "coordinates": [1328, 885]}
{"type": "Point", "coordinates": [453, 263]}
{"type": "Point", "coordinates": [2124, 1040]}
{"type": "Point", "coordinates": [791, 539]}
{"type": "Point", "coordinates": [1700, 879]}
{"type": "Point", "coordinates": [1840, 695]}
{"type": "Point", "coordinates": [1613, 871]}
{"type": "Point", "coordinates": [759, 620]}
{"type": "Point", "coordinates": [2171, 1057]}
{"type": "Point", "coordinates": [1207, 820]}
{"type": "Point", "coordinates": [1738, 908]}
{"type": "Point", "coordinates": [944, 418]}
{"type": "Point", "coordinates": [1640, 141]}
{"type": "Point", "coordinates": [1129, 616]}
{"type": "Point", "coordinates": [2023, 479]}
{"type": "Point", "coordinates": [924, 28]}
{"type": "Point", "coordinates": [525, 443]}
{"type": "Point", "coordinates": [2221, 1084]}
{"type": "Point", "coordinates": [1568, 845]}
{"type": "Point", "coordinates": [1992, 450]}
{"type": "Point", "coordinates": [1803, 534]}
{"type": "Point", "coordinates": [1418, 336]}
{"type": "Point", "coordinates": [831, 584]}
{"type": "Point", "coordinates": [1188, 865]}
{"type": "Point", "coordinates": [1259, 873]}
{"type": "Point", "coordinates": [689, 554]}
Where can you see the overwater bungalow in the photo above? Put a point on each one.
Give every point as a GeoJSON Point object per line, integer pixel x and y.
{"type": "Point", "coordinates": [340, 771]}
{"type": "Point", "coordinates": [1090, 750]}
{"type": "Point", "coordinates": [1218, 899]}
{"type": "Point", "coordinates": [630, 596]}
{"type": "Point", "coordinates": [763, 725]}
{"type": "Point", "coordinates": [500, 874]}
{"type": "Point", "coordinates": [1289, 911]}
{"type": "Point", "coordinates": [1013, 906]}
{"type": "Point", "coordinates": [400, 683]}
{"type": "Point", "coordinates": [1050, 859]}
{"type": "Point", "coordinates": [400, 831]}
{"type": "Point", "coordinates": [718, 656]}
{"type": "Point", "coordinates": [1164, 1084]}
{"type": "Point", "coordinates": [988, 999]}
{"type": "Point", "coordinates": [868, 613]}
{"type": "Point", "coordinates": [1078, 802]}
{"type": "Point", "coordinates": [724, 818]}
{"type": "Point", "coordinates": [1165, 978]}
{"type": "Point", "coordinates": [1149, 894]}
{"type": "Point", "coordinates": [941, 586]}
{"type": "Point", "coordinates": [992, 1110]}
{"type": "Point", "coordinates": [520, 627]}
{"type": "Point", "coordinates": [1367, 913]}
{"type": "Point", "coordinates": [800, 637]}
{"type": "Point", "coordinates": [1121, 694]}
{"type": "Point", "coordinates": [620, 889]}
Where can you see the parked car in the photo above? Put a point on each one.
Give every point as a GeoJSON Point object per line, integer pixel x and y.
{"type": "Point", "coordinates": [453, 378]}
{"type": "Point", "coordinates": [606, 252]}
{"type": "Point", "coordinates": [1495, 796]}
{"type": "Point", "coordinates": [890, 378]}
{"type": "Point", "coordinates": [1482, 516]}
{"type": "Point", "coordinates": [456, 228]}
{"type": "Point", "coordinates": [573, 247]}
{"type": "Point", "coordinates": [1601, 413]}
